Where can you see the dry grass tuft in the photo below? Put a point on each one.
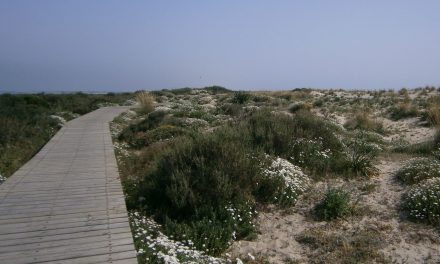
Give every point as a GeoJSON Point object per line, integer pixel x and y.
{"type": "Point", "coordinates": [362, 120]}
{"type": "Point", "coordinates": [146, 102]}
{"type": "Point", "coordinates": [356, 246]}
{"type": "Point", "coordinates": [434, 115]}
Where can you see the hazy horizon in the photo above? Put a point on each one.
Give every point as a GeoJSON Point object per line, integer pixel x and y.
{"type": "Point", "coordinates": [104, 46]}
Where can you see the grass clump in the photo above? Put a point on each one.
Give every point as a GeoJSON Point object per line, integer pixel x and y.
{"type": "Point", "coordinates": [403, 110]}
{"type": "Point", "coordinates": [336, 204]}
{"type": "Point", "coordinates": [433, 112]}
{"type": "Point", "coordinates": [422, 202]}
{"type": "Point", "coordinates": [146, 102]}
{"type": "Point", "coordinates": [362, 153]}
{"type": "Point", "coordinates": [293, 108]}
{"type": "Point", "coordinates": [347, 247]}
{"type": "Point", "coordinates": [361, 120]}
{"type": "Point", "coordinates": [241, 97]}
{"type": "Point", "coordinates": [418, 169]}
{"type": "Point", "coordinates": [422, 148]}
{"type": "Point", "coordinates": [434, 115]}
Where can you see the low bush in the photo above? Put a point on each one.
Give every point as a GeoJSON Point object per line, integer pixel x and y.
{"type": "Point", "coordinates": [154, 247]}
{"type": "Point", "coordinates": [298, 139]}
{"type": "Point", "coordinates": [276, 132]}
{"type": "Point", "coordinates": [194, 182]}
{"type": "Point", "coordinates": [217, 89]}
{"type": "Point", "coordinates": [133, 131]}
{"type": "Point", "coordinates": [362, 154]}
{"type": "Point", "coordinates": [313, 155]}
{"type": "Point", "coordinates": [231, 109]}
{"type": "Point", "coordinates": [422, 202]}
{"type": "Point", "coordinates": [293, 108]}
{"type": "Point", "coordinates": [214, 233]}
{"type": "Point", "coordinates": [336, 204]}
{"type": "Point", "coordinates": [162, 132]}
{"type": "Point", "coordinates": [318, 103]}
{"type": "Point", "coordinates": [422, 148]}
{"type": "Point", "coordinates": [241, 97]}
{"type": "Point", "coordinates": [196, 112]}
{"type": "Point", "coordinates": [261, 98]}
{"type": "Point", "coordinates": [403, 110]}
{"type": "Point", "coordinates": [418, 169]}
{"type": "Point", "coordinates": [361, 120]}
{"type": "Point", "coordinates": [282, 183]}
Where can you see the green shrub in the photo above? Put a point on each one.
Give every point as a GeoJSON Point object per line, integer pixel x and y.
{"type": "Point", "coordinates": [163, 132]}
{"type": "Point", "coordinates": [418, 169]}
{"type": "Point", "coordinates": [403, 110]}
{"type": "Point", "coordinates": [217, 89]}
{"type": "Point", "coordinates": [313, 155]}
{"type": "Point", "coordinates": [154, 247]}
{"type": "Point", "coordinates": [282, 183]}
{"type": "Point", "coordinates": [231, 109]}
{"type": "Point", "coordinates": [293, 108]}
{"type": "Point", "coordinates": [241, 97]}
{"type": "Point", "coordinates": [196, 112]}
{"type": "Point", "coordinates": [261, 98]}
{"type": "Point", "coordinates": [422, 148]}
{"type": "Point", "coordinates": [336, 204]}
{"type": "Point", "coordinates": [133, 132]}
{"type": "Point", "coordinates": [298, 139]}
{"type": "Point", "coordinates": [275, 132]}
{"type": "Point", "coordinates": [362, 154]}
{"type": "Point", "coordinates": [422, 202]}
{"type": "Point", "coordinates": [204, 171]}
{"type": "Point", "coordinates": [214, 234]}
{"type": "Point", "coordinates": [318, 103]}
{"type": "Point", "coordinates": [196, 180]}
{"type": "Point", "coordinates": [270, 132]}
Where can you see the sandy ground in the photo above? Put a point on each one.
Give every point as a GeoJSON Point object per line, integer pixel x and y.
{"type": "Point", "coordinates": [407, 129]}
{"type": "Point", "coordinates": [406, 242]}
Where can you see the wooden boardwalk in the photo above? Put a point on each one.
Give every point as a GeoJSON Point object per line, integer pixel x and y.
{"type": "Point", "coordinates": [66, 204]}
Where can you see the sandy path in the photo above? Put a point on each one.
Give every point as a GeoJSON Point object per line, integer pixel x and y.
{"type": "Point", "coordinates": [407, 242]}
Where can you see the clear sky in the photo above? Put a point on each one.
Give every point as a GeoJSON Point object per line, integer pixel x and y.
{"type": "Point", "coordinates": [92, 45]}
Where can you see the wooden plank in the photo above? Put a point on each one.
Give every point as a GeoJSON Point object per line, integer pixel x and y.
{"type": "Point", "coordinates": [116, 237]}
{"type": "Point", "coordinates": [54, 255]}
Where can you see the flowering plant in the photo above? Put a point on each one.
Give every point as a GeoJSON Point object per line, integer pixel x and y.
{"type": "Point", "coordinates": [422, 201]}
